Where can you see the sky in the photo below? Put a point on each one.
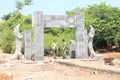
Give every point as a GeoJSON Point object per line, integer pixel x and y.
{"type": "Point", "coordinates": [52, 7]}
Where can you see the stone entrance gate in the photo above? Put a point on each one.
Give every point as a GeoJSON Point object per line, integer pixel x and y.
{"type": "Point", "coordinates": [39, 21]}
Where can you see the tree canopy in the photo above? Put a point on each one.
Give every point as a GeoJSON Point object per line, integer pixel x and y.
{"type": "Point", "coordinates": [106, 21]}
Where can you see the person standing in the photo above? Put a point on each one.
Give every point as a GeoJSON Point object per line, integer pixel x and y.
{"type": "Point", "coordinates": [54, 48]}
{"type": "Point", "coordinates": [64, 49]}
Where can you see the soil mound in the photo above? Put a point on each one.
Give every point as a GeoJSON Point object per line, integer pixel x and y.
{"type": "Point", "coordinates": [4, 76]}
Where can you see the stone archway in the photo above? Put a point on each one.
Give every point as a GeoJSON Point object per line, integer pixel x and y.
{"type": "Point", "coordinates": [39, 21]}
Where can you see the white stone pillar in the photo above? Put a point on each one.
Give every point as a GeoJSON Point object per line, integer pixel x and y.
{"type": "Point", "coordinates": [81, 44]}
{"type": "Point", "coordinates": [27, 45]}
{"type": "Point", "coordinates": [38, 44]}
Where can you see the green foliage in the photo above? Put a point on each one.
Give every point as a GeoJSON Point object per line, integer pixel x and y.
{"type": "Point", "coordinates": [6, 17]}
{"type": "Point", "coordinates": [106, 21]}
{"type": "Point", "coordinates": [28, 2]}
{"type": "Point", "coordinates": [61, 33]}
{"type": "Point", "coordinates": [10, 20]}
{"type": "Point", "coordinates": [117, 39]}
{"type": "Point", "coordinates": [21, 4]}
{"type": "Point", "coordinates": [58, 34]}
{"type": "Point", "coordinates": [7, 41]}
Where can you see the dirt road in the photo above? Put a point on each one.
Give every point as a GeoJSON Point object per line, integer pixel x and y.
{"type": "Point", "coordinates": [21, 70]}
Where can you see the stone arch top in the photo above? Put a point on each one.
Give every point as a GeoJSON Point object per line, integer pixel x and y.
{"type": "Point", "coordinates": [59, 21]}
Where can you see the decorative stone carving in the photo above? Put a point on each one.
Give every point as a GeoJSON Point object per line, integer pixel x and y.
{"type": "Point", "coordinates": [92, 32]}
{"type": "Point", "coordinates": [18, 37]}
{"type": "Point", "coordinates": [90, 41]}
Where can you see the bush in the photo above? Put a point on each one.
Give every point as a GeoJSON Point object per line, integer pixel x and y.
{"type": "Point", "coordinates": [7, 41]}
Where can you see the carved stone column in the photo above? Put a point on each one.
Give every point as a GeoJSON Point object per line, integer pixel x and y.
{"type": "Point", "coordinates": [90, 41]}
{"type": "Point", "coordinates": [18, 38]}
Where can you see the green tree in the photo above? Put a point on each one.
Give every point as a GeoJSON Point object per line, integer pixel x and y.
{"type": "Point", "coordinates": [7, 41]}
{"type": "Point", "coordinates": [21, 4]}
{"type": "Point", "coordinates": [106, 21]}
{"type": "Point", "coordinates": [10, 20]}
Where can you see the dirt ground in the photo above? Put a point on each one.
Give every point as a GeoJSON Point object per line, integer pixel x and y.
{"type": "Point", "coordinates": [45, 70]}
